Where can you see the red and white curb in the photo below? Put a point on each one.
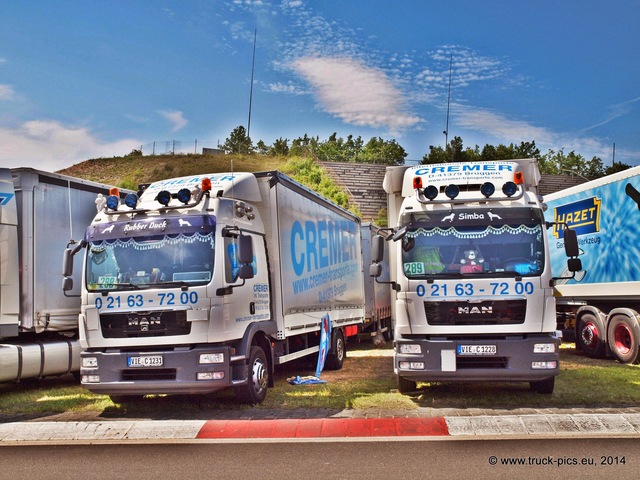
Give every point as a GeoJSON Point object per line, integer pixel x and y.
{"type": "Point", "coordinates": [627, 425]}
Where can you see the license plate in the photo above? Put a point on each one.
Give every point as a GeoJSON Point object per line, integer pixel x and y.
{"type": "Point", "coordinates": [145, 361]}
{"type": "Point", "coordinates": [477, 350]}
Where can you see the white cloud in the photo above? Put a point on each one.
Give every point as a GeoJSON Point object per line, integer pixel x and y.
{"type": "Point", "coordinates": [175, 117]}
{"type": "Point", "coordinates": [51, 146]}
{"type": "Point", "coordinates": [7, 92]}
{"type": "Point", "coordinates": [355, 93]}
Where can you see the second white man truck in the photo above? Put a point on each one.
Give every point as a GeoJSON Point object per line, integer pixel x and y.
{"type": "Point", "coordinates": [472, 279]}
{"type": "Point", "coordinates": [209, 281]}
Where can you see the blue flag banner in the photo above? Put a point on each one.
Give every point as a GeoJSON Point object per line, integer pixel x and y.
{"type": "Point", "coordinates": [325, 345]}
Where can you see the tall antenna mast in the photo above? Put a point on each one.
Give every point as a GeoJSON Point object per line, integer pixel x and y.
{"type": "Point", "coordinates": [253, 63]}
{"type": "Point", "coordinates": [446, 130]}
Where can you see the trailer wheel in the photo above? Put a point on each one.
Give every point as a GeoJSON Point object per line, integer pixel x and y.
{"type": "Point", "coordinates": [255, 390]}
{"type": "Point", "coordinates": [590, 336]}
{"type": "Point", "coordinates": [624, 335]}
{"type": "Point", "coordinates": [543, 386]}
{"type": "Point", "coordinates": [406, 386]}
{"type": "Point", "coordinates": [337, 353]}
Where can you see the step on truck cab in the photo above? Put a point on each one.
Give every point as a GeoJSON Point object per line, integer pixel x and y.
{"type": "Point", "coordinates": [209, 281]}
{"type": "Point", "coordinates": [473, 297]}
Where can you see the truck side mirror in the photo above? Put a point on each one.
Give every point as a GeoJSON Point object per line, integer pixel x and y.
{"type": "Point", "coordinates": [67, 263]}
{"type": "Point", "coordinates": [375, 270]}
{"type": "Point", "coordinates": [377, 249]}
{"type": "Point", "coordinates": [67, 284]}
{"type": "Point", "coordinates": [245, 249]}
{"type": "Point", "coordinates": [574, 264]}
{"type": "Point", "coordinates": [571, 243]}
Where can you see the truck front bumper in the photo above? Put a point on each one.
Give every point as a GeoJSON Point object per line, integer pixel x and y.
{"type": "Point", "coordinates": [528, 358]}
{"type": "Point", "coordinates": [179, 370]}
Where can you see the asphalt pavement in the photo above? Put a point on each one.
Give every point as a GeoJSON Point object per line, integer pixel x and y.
{"type": "Point", "coordinates": [370, 424]}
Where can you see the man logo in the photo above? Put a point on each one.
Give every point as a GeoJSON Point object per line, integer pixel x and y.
{"type": "Point", "coordinates": [474, 310]}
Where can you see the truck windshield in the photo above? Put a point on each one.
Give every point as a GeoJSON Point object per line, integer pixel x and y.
{"type": "Point", "coordinates": [158, 260]}
{"type": "Point", "coordinates": [473, 242]}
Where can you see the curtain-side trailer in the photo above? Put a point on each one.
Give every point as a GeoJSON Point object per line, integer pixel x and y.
{"type": "Point", "coordinates": [39, 213]}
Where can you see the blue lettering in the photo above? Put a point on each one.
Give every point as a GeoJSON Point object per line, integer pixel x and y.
{"type": "Point", "coordinates": [298, 263]}
{"type": "Point", "coordinates": [311, 245]}
{"type": "Point", "coordinates": [322, 244]}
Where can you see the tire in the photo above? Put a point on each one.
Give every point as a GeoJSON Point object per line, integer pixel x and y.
{"type": "Point", "coordinates": [624, 334]}
{"type": "Point", "coordinates": [406, 386]}
{"type": "Point", "coordinates": [255, 391]}
{"type": "Point", "coordinates": [338, 352]}
{"type": "Point", "coordinates": [543, 386]}
{"type": "Point", "coordinates": [389, 323]}
{"type": "Point", "coordinates": [591, 336]}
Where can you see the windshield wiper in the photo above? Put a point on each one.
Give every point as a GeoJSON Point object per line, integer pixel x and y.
{"type": "Point", "coordinates": [178, 283]}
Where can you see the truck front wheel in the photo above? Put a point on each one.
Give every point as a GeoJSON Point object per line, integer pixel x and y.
{"type": "Point", "coordinates": [255, 390]}
{"type": "Point", "coordinates": [545, 386]}
{"type": "Point", "coordinates": [406, 386]}
{"type": "Point", "coordinates": [624, 335]}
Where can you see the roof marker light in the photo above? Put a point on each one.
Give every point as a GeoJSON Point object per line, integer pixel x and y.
{"type": "Point", "coordinates": [417, 183]}
{"type": "Point", "coordinates": [184, 195]}
{"type": "Point", "coordinates": [452, 191]}
{"type": "Point", "coordinates": [115, 191]}
{"type": "Point", "coordinates": [518, 178]}
{"type": "Point", "coordinates": [164, 197]}
{"type": "Point", "coordinates": [487, 189]}
{"type": "Point", "coordinates": [431, 192]}
{"type": "Point", "coordinates": [206, 184]}
{"type": "Point", "coordinates": [131, 200]}
{"type": "Point", "coordinates": [509, 189]}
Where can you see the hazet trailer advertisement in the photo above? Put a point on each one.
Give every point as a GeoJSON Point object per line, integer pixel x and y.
{"type": "Point", "coordinates": [607, 221]}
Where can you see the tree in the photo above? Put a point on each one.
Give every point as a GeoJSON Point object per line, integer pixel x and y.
{"type": "Point", "coordinates": [280, 147]}
{"type": "Point", "coordinates": [262, 148]}
{"type": "Point", "coordinates": [238, 142]}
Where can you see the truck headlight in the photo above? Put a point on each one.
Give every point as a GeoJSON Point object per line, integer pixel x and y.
{"type": "Point", "coordinates": [208, 358]}
{"type": "Point", "coordinates": [544, 348]}
{"type": "Point", "coordinates": [410, 348]}
{"type": "Point", "coordinates": [90, 362]}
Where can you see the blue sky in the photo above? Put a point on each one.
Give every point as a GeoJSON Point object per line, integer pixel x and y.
{"type": "Point", "coordinates": [87, 79]}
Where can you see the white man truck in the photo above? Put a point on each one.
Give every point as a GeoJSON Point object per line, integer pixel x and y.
{"type": "Point", "coordinates": [210, 281]}
{"type": "Point", "coordinates": [473, 284]}
{"type": "Point", "coordinates": [602, 301]}
{"type": "Point", "coordinates": [39, 213]}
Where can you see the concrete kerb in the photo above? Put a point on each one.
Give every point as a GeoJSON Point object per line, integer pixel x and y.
{"type": "Point", "coordinates": [349, 424]}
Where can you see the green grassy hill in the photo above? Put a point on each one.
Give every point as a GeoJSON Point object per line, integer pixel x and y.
{"type": "Point", "coordinates": [129, 171]}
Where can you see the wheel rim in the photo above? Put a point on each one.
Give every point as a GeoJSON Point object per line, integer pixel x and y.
{"type": "Point", "coordinates": [259, 376]}
{"type": "Point", "coordinates": [622, 338]}
{"type": "Point", "coordinates": [340, 348]}
{"type": "Point", "coordinates": [589, 335]}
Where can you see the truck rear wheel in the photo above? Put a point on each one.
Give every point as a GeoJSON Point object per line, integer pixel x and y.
{"type": "Point", "coordinates": [406, 386]}
{"type": "Point", "coordinates": [624, 335]}
{"type": "Point", "coordinates": [590, 336]}
{"type": "Point", "coordinates": [338, 352]}
{"type": "Point", "coordinates": [255, 390]}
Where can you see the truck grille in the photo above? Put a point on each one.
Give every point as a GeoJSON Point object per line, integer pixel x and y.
{"type": "Point", "coordinates": [145, 324]}
{"type": "Point", "coordinates": [498, 312]}
{"type": "Point", "coordinates": [466, 363]}
{"type": "Point", "coordinates": [148, 374]}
